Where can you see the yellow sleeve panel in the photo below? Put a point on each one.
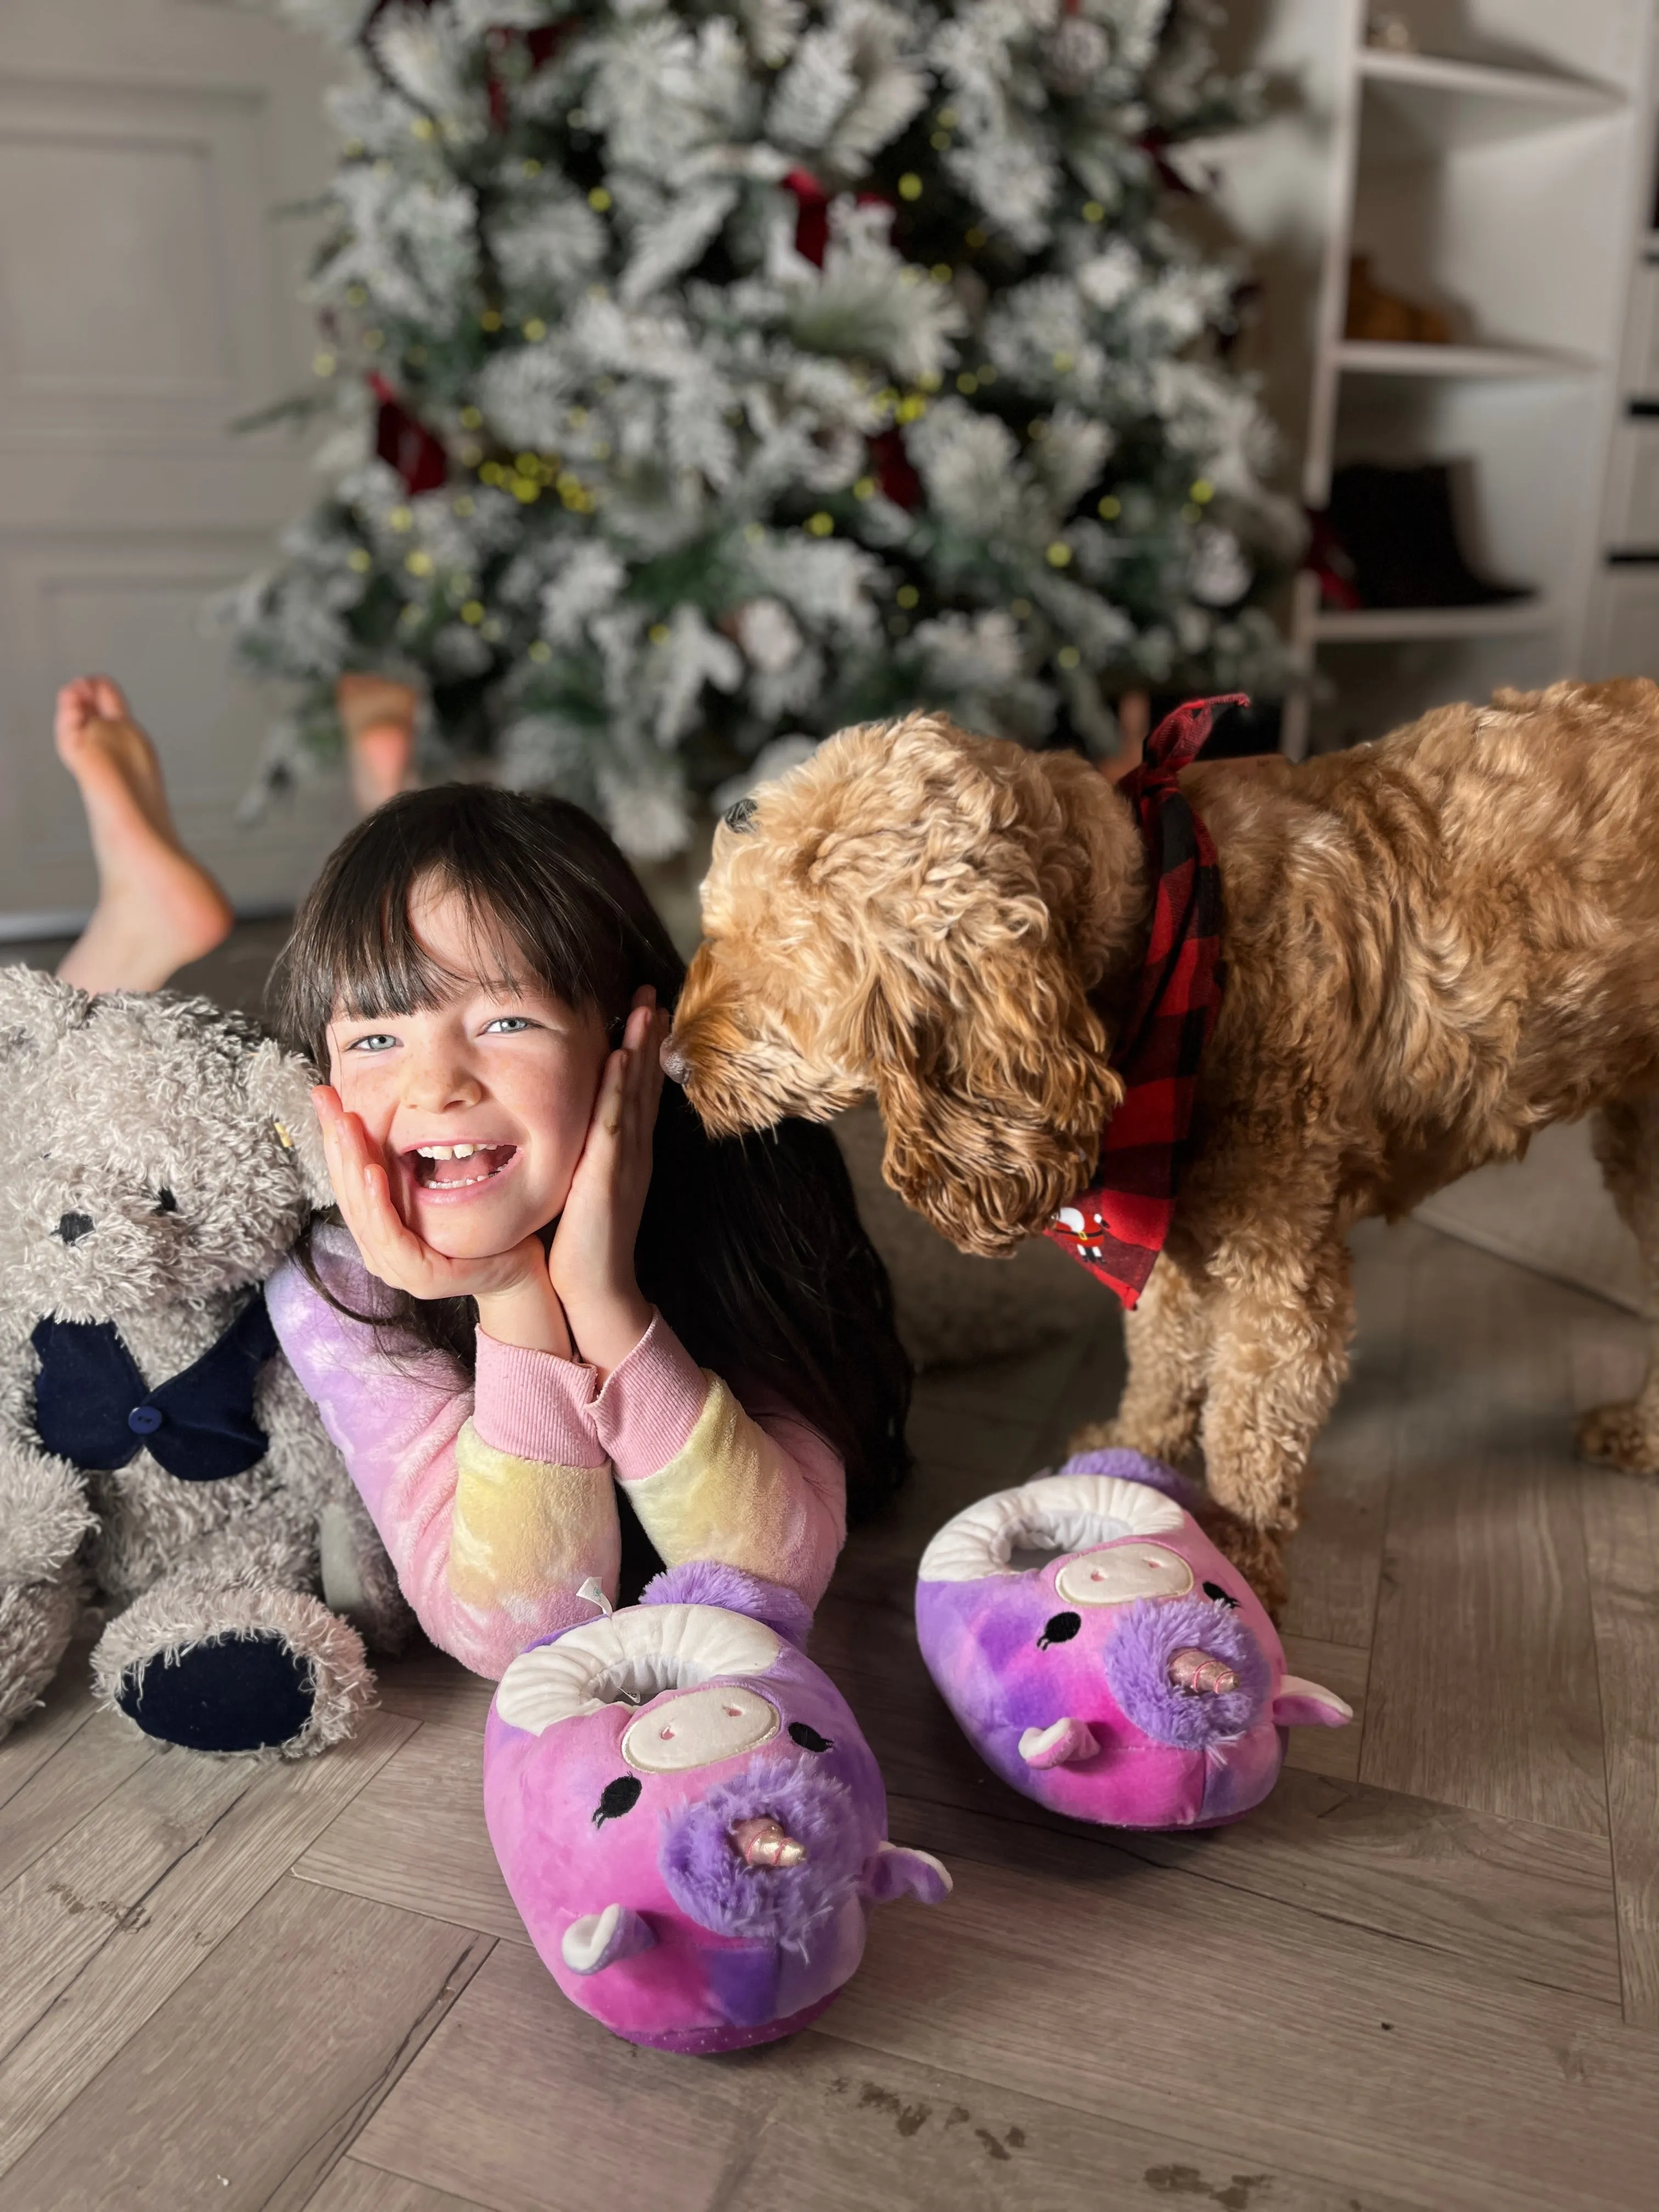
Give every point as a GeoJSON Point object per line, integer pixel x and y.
{"type": "Point", "coordinates": [522, 1528]}
{"type": "Point", "coordinates": [728, 1494]}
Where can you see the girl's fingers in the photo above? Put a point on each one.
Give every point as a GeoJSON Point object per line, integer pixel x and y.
{"type": "Point", "coordinates": [391, 1236]}
{"type": "Point", "coordinates": [647, 1025]}
{"type": "Point", "coordinates": [326, 1104]}
{"type": "Point", "coordinates": [645, 1077]}
{"type": "Point", "coordinates": [613, 1092]}
{"type": "Point", "coordinates": [343, 1147]}
{"type": "Point", "coordinates": [655, 1037]}
{"type": "Point", "coordinates": [389, 1249]}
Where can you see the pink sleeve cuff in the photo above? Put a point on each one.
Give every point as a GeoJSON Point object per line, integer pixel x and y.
{"type": "Point", "coordinates": [536, 1406]}
{"type": "Point", "coordinates": [650, 1403]}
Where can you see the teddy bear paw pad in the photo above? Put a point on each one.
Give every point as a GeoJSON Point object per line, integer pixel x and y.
{"type": "Point", "coordinates": [226, 1694]}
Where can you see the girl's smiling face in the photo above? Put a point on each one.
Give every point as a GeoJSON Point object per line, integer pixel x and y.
{"type": "Point", "coordinates": [500, 1071]}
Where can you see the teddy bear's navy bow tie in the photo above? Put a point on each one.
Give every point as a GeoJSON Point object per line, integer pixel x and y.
{"type": "Point", "coordinates": [93, 1408]}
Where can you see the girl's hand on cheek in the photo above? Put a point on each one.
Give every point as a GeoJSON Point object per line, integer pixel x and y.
{"type": "Point", "coordinates": [592, 1261]}
{"type": "Point", "coordinates": [511, 1288]}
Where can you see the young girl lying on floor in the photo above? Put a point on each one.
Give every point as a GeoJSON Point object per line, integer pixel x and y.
{"type": "Point", "coordinates": [548, 1273]}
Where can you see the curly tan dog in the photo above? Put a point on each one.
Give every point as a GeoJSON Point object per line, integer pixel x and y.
{"type": "Point", "coordinates": [1435, 945]}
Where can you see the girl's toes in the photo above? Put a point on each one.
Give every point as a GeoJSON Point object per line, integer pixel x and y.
{"type": "Point", "coordinates": [109, 700]}
{"type": "Point", "coordinates": [73, 710]}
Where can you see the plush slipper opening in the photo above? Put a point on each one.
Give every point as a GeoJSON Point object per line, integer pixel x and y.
{"type": "Point", "coordinates": [630, 1659]}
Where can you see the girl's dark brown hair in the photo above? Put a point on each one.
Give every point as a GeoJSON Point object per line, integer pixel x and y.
{"type": "Point", "coordinates": [752, 1248]}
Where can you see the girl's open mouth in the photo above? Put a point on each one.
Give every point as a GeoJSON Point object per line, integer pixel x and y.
{"type": "Point", "coordinates": [459, 1167]}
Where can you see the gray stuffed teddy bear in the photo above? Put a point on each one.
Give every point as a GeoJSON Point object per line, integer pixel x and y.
{"type": "Point", "coordinates": [157, 1451]}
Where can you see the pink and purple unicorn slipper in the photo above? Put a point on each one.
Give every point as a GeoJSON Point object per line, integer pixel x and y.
{"type": "Point", "coordinates": [1102, 1656]}
{"type": "Point", "coordinates": [687, 1818]}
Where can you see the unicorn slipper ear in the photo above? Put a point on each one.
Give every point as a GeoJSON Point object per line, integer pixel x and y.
{"type": "Point", "coordinates": [894, 1872]}
{"type": "Point", "coordinates": [1306, 1705]}
{"type": "Point", "coordinates": [600, 1940]}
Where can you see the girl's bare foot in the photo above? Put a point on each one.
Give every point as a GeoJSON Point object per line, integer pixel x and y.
{"type": "Point", "coordinates": [378, 717]}
{"type": "Point", "coordinates": [157, 907]}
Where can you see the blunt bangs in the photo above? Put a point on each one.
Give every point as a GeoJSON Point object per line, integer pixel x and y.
{"type": "Point", "coordinates": [533, 875]}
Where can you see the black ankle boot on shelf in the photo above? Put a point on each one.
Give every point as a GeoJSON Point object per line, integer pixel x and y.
{"type": "Point", "coordinates": [1398, 530]}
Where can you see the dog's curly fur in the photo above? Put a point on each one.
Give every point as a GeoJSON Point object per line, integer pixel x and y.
{"type": "Point", "coordinates": [1435, 945]}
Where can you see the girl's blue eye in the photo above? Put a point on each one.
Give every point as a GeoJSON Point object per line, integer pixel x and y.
{"type": "Point", "coordinates": [379, 1041]}
{"type": "Point", "coordinates": [508, 1024]}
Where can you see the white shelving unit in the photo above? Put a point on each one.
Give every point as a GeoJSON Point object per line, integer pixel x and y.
{"type": "Point", "coordinates": [1624, 630]}
{"type": "Point", "coordinates": [1502, 172]}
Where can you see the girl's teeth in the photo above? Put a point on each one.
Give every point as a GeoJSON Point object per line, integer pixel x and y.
{"type": "Point", "coordinates": [438, 1155]}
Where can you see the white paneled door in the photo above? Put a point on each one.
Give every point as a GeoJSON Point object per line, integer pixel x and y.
{"type": "Point", "coordinates": [149, 296]}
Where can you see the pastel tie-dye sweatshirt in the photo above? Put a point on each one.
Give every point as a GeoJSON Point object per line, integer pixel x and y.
{"type": "Point", "coordinates": [492, 1492]}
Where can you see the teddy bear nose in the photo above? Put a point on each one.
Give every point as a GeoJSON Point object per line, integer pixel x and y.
{"type": "Point", "coordinates": [71, 1227]}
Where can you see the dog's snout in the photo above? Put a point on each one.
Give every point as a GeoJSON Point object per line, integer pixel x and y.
{"type": "Point", "coordinates": [675, 1064]}
{"type": "Point", "coordinates": [72, 1227]}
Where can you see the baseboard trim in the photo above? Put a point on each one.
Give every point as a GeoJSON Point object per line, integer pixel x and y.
{"type": "Point", "coordinates": [70, 922]}
{"type": "Point", "coordinates": [19, 928]}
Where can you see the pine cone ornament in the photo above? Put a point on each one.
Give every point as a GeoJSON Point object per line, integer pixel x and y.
{"type": "Point", "coordinates": [1073, 55]}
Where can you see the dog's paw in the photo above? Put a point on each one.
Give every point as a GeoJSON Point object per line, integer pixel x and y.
{"type": "Point", "coordinates": [1620, 1436]}
{"type": "Point", "coordinates": [1255, 1552]}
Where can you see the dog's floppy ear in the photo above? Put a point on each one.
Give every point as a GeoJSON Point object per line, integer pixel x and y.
{"type": "Point", "coordinates": [991, 1074]}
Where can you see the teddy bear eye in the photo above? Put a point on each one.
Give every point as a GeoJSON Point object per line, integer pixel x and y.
{"type": "Point", "coordinates": [617, 1797]}
{"type": "Point", "coordinates": [1220, 1596]}
{"type": "Point", "coordinates": [1061, 1628]}
{"type": "Point", "coordinates": [165, 1201]}
{"type": "Point", "coordinates": [808, 1737]}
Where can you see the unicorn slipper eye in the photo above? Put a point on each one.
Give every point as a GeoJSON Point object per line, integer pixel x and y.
{"type": "Point", "coordinates": [1121, 1573]}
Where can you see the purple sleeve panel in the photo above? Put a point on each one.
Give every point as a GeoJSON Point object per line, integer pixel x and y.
{"type": "Point", "coordinates": [535, 1404]}
{"type": "Point", "coordinates": [490, 1547]}
{"type": "Point", "coordinates": [393, 1417]}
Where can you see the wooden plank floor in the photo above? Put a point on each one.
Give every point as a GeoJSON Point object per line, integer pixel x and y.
{"type": "Point", "coordinates": [1427, 1973]}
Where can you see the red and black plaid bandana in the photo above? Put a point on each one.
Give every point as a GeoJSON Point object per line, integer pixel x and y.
{"type": "Point", "coordinates": [1118, 1225]}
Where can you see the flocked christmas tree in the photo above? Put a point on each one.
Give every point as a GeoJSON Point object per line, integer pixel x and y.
{"type": "Point", "coordinates": [714, 373]}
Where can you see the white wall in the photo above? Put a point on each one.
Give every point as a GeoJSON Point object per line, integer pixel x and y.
{"type": "Point", "coordinates": [147, 299]}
